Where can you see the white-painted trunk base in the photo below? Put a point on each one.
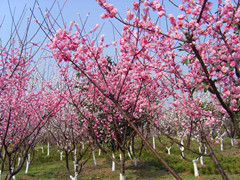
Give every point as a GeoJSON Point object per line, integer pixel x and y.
{"type": "Point", "coordinates": [135, 161]}
{"type": "Point", "coordinates": [201, 157]}
{"type": "Point", "coordinates": [113, 163]}
{"type": "Point", "coordinates": [196, 174]}
{"type": "Point", "coordinates": [75, 165]}
{"type": "Point", "coordinates": [75, 177]}
{"type": "Point", "coordinates": [201, 160]}
{"type": "Point", "coordinates": [94, 158]}
{"type": "Point", "coordinates": [19, 160]}
{"type": "Point", "coordinates": [75, 154]}
{"type": "Point", "coordinates": [42, 149]}
{"type": "Point", "coordinates": [48, 149]}
{"type": "Point", "coordinates": [27, 166]}
{"type": "Point", "coordinates": [122, 177]}
{"type": "Point", "coordinates": [182, 149]}
{"type": "Point", "coordinates": [232, 141]}
{"type": "Point", "coordinates": [13, 177]}
{"type": "Point", "coordinates": [154, 144]}
{"type": "Point", "coordinates": [169, 150]}
{"type": "Point", "coordinates": [182, 156]}
{"type": "Point", "coordinates": [182, 152]}
{"type": "Point", "coordinates": [61, 155]}
{"type": "Point", "coordinates": [221, 140]}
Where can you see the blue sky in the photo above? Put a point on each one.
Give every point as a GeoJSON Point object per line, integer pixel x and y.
{"type": "Point", "coordinates": [70, 12]}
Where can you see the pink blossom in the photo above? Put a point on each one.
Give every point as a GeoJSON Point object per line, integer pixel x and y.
{"type": "Point", "coordinates": [227, 93]}
{"type": "Point", "coordinates": [192, 24]}
{"type": "Point", "coordinates": [171, 19]}
{"type": "Point", "coordinates": [135, 6]}
{"type": "Point", "coordinates": [130, 15]}
{"type": "Point", "coordinates": [47, 14]}
{"type": "Point", "coordinates": [35, 44]}
{"type": "Point", "coordinates": [161, 13]}
{"type": "Point", "coordinates": [146, 3]}
{"type": "Point", "coordinates": [176, 103]}
{"type": "Point", "coordinates": [179, 24]}
{"type": "Point", "coordinates": [219, 23]}
{"type": "Point", "coordinates": [207, 124]}
{"type": "Point", "coordinates": [113, 13]}
{"type": "Point", "coordinates": [144, 76]}
{"type": "Point", "coordinates": [181, 7]}
{"type": "Point", "coordinates": [95, 28]}
{"type": "Point", "coordinates": [180, 17]}
{"type": "Point", "coordinates": [234, 102]}
{"type": "Point", "coordinates": [114, 43]}
{"type": "Point", "coordinates": [224, 69]}
{"type": "Point", "coordinates": [157, 5]}
{"type": "Point", "coordinates": [103, 16]}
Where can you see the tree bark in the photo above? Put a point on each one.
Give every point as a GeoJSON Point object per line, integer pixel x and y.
{"type": "Point", "coordinates": [223, 174]}
{"type": "Point", "coordinates": [122, 168]}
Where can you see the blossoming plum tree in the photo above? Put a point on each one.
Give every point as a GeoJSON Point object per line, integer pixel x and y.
{"type": "Point", "coordinates": [24, 109]}
{"type": "Point", "coordinates": [25, 103]}
{"type": "Point", "coordinates": [198, 50]}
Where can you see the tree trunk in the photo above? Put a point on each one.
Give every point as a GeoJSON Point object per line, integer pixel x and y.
{"type": "Point", "coordinates": [196, 174]}
{"type": "Point", "coordinates": [19, 160]}
{"type": "Point", "coordinates": [223, 174]}
{"type": "Point", "coordinates": [48, 149]}
{"type": "Point", "coordinates": [169, 150]}
{"type": "Point", "coordinates": [221, 140]}
{"type": "Point", "coordinates": [94, 158]}
{"type": "Point", "coordinates": [122, 168]}
{"type": "Point", "coordinates": [135, 161]}
{"type": "Point", "coordinates": [154, 145]}
{"type": "Point", "coordinates": [27, 166]}
{"type": "Point", "coordinates": [113, 163]}
{"type": "Point", "coordinates": [9, 176]}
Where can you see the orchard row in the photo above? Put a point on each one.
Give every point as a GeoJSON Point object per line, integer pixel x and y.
{"type": "Point", "coordinates": [180, 80]}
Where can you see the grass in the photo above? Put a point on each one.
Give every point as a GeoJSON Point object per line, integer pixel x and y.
{"type": "Point", "coordinates": [149, 168]}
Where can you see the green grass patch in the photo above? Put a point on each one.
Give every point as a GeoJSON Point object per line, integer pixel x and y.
{"type": "Point", "coordinates": [44, 167]}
